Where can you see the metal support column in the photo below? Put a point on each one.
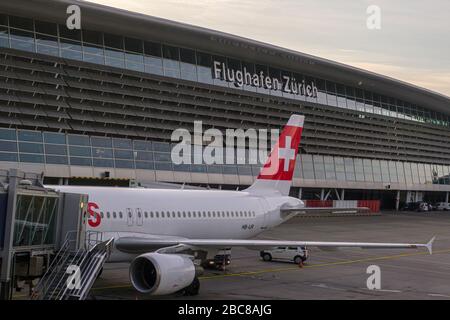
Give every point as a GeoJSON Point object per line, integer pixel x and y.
{"type": "Point", "coordinates": [397, 201]}
{"type": "Point", "coordinates": [300, 193]}
{"type": "Point", "coordinates": [446, 197]}
{"type": "Point", "coordinates": [343, 194]}
{"type": "Point", "coordinates": [322, 194]}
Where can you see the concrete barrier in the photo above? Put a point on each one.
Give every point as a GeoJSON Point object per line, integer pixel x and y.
{"type": "Point", "coordinates": [345, 204]}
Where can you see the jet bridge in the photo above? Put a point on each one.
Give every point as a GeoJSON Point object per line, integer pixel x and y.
{"type": "Point", "coordinates": [34, 225]}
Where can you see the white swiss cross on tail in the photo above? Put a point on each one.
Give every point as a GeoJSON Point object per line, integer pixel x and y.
{"type": "Point", "coordinates": [286, 153]}
{"type": "Point", "coordinates": [276, 175]}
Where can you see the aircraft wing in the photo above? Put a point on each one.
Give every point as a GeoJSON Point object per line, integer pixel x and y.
{"type": "Point", "coordinates": [290, 213]}
{"type": "Point", "coordinates": [141, 245]}
{"type": "Point", "coordinates": [306, 210]}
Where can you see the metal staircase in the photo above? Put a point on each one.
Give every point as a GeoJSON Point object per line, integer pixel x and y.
{"type": "Point", "coordinates": [73, 272]}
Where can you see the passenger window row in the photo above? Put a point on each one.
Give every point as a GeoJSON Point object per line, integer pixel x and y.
{"type": "Point", "coordinates": [113, 215]}
{"type": "Point", "coordinates": [183, 214]}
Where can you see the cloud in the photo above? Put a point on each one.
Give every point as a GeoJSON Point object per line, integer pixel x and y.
{"type": "Point", "coordinates": [438, 81]}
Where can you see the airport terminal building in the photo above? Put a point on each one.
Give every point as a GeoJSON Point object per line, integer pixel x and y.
{"type": "Point", "coordinates": [100, 104]}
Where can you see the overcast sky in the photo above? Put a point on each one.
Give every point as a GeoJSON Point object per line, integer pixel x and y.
{"type": "Point", "coordinates": [413, 43]}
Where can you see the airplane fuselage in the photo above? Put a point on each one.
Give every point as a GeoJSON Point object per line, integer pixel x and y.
{"type": "Point", "coordinates": [202, 214]}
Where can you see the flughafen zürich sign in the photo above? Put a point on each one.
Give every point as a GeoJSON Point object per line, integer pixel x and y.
{"type": "Point", "coordinates": [287, 84]}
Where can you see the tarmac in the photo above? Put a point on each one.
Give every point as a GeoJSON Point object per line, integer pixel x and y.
{"type": "Point", "coordinates": [341, 274]}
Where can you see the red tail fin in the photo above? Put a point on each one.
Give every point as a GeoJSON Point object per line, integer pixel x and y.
{"type": "Point", "coordinates": [277, 173]}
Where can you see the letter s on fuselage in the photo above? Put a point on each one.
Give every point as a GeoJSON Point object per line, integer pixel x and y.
{"type": "Point", "coordinates": [95, 218]}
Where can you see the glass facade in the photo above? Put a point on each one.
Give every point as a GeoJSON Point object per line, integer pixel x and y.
{"type": "Point", "coordinates": [82, 150]}
{"type": "Point", "coordinates": [371, 170]}
{"type": "Point", "coordinates": [184, 63]}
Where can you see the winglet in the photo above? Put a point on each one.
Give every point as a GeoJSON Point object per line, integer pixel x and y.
{"type": "Point", "coordinates": [429, 245]}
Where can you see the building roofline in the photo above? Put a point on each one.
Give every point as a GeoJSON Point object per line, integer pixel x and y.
{"type": "Point", "coordinates": [113, 20]}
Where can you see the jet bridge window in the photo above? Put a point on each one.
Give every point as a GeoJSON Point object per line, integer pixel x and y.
{"type": "Point", "coordinates": [35, 220]}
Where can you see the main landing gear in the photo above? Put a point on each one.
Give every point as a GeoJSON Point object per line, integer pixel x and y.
{"type": "Point", "coordinates": [193, 289]}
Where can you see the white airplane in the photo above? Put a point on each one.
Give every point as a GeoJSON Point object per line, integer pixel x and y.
{"type": "Point", "coordinates": [161, 230]}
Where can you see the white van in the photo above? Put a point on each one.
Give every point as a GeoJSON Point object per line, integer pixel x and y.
{"type": "Point", "coordinates": [294, 254]}
{"type": "Point", "coordinates": [442, 206]}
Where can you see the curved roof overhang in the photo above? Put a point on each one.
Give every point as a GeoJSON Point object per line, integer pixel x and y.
{"type": "Point", "coordinates": [112, 20]}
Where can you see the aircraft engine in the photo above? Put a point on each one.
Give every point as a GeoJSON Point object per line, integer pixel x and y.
{"type": "Point", "coordinates": [161, 274]}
